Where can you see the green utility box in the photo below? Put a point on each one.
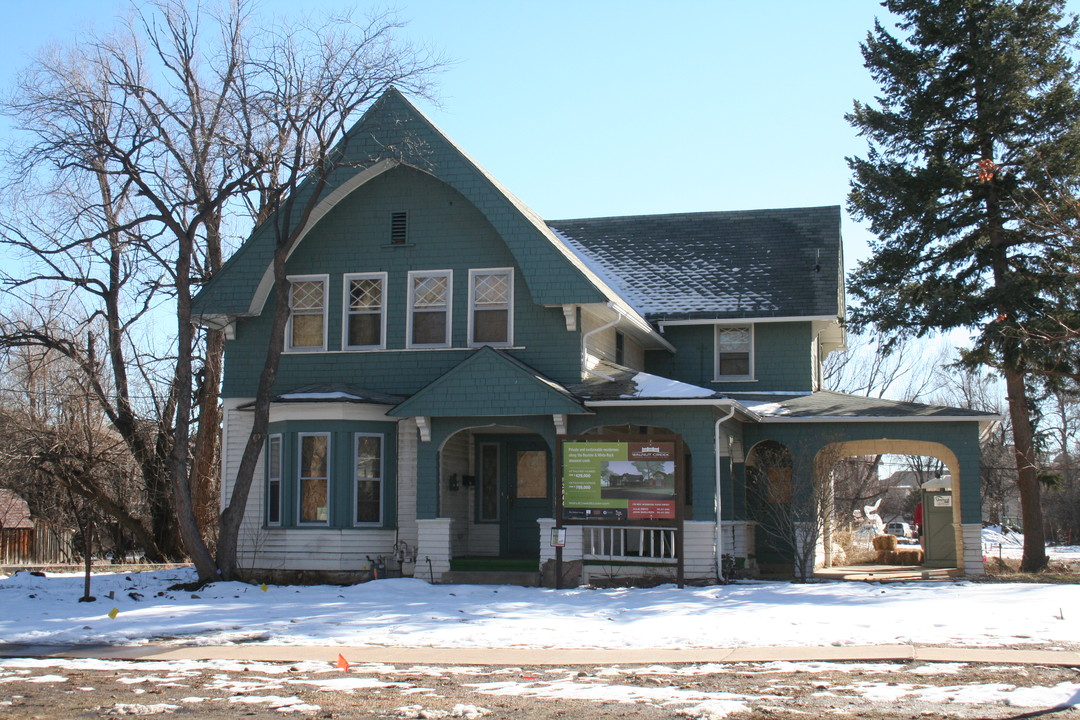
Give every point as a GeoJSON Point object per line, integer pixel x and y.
{"type": "Point", "coordinates": [938, 537]}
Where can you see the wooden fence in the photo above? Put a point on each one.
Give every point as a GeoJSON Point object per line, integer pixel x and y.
{"type": "Point", "coordinates": [41, 545]}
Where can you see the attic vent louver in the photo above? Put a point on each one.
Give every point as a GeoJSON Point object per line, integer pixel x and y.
{"type": "Point", "coordinates": [399, 228]}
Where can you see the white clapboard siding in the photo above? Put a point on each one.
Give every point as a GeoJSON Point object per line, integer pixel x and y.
{"type": "Point", "coordinates": [971, 542]}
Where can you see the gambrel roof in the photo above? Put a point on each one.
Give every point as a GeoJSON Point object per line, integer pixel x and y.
{"type": "Point", "coordinates": [718, 265]}
{"type": "Point", "coordinates": [393, 133]}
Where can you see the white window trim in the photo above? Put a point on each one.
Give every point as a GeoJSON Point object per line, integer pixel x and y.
{"type": "Point", "coordinates": [325, 280]}
{"type": "Point", "coordinates": [449, 275]}
{"type": "Point", "coordinates": [717, 377]}
{"type": "Point", "coordinates": [300, 479]}
{"type": "Point", "coordinates": [346, 313]}
{"type": "Point", "coordinates": [509, 272]}
{"type": "Point", "coordinates": [382, 480]}
{"type": "Point", "coordinates": [270, 479]}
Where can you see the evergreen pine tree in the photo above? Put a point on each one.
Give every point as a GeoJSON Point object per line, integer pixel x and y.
{"type": "Point", "coordinates": [978, 115]}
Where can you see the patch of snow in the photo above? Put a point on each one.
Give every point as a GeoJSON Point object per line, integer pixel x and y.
{"type": "Point", "coordinates": [412, 613]}
{"type": "Point", "coordinates": [137, 709]}
{"type": "Point", "coordinates": [654, 386]}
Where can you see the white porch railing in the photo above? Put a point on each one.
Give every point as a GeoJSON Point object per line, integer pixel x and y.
{"type": "Point", "coordinates": [629, 544]}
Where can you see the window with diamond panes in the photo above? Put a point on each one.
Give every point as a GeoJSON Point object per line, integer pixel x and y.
{"type": "Point", "coordinates": [368, 479]}
{"type": "Point", "coordinates": [734, 347]}
{"type": "Point", "coordinates": [491, 302]}
{"type": "Point", "coordinates": [429, 305]}
{"type": "Point", "coordinates": [307, 314]}
{"type": "Point", "coordinates": [365, 311]}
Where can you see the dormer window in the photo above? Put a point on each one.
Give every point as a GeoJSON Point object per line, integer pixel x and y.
{"type": "Point", "coordinates": [491, 307]}
{"type": "Point", "coordinates": [734, 352]}
{"type": "Point", "coordinates": [306, 331]}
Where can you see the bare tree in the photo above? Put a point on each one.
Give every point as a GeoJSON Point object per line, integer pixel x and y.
{"type": "Point", "coordinates": [59, 451]}
{"type": "Point", "coordinates": [148, 146]}
{"type": "Point", "coordinates": [792, 497]}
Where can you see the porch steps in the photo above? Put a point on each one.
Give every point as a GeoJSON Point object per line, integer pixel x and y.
{"type": "Point", "coordinates": [492, 577]}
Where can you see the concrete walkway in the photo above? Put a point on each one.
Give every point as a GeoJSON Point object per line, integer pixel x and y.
{"type": "Point", "coordinates": [526, 657]}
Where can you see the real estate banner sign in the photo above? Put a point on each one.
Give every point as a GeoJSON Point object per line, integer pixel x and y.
{"type": "Point", "coordinates": [619, 480]}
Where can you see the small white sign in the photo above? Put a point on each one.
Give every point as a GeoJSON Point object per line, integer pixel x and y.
{"type": "Point", "coordinates": [558, 537]}
{"type": "Point", "coordinates": [943, 501]}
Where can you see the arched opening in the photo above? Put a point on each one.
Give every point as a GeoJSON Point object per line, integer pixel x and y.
{"type": "Point", "coordinates": [924, 515]}
{"type": "Point", "coordinates": [495, 483]}
{"type": "Point", "coordinates": [777, 505]}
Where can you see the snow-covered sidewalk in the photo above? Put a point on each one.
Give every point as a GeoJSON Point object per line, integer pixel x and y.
{"type": "Point", "coordinates": [412, 613]}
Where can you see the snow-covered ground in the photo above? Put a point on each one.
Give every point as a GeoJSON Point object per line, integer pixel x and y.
{"type": "Point", "coordinates": [1003, 543]}
{"type": "Point", "coordinates": [411, 612]}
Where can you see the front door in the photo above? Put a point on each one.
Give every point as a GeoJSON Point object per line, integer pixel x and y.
{"type": "Point", "coordinates": [514, 482]}
{"type": "Point", "coordinates": [526, 496]}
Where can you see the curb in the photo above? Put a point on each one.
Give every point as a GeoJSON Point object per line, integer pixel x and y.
{"type": "Point", "coordinates": [549, 656]}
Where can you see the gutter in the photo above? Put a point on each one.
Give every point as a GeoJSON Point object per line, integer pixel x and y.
{"type": "Point", "coordinates": [585, 343]}
{"type": "Point", "coordinates": [719, 531]}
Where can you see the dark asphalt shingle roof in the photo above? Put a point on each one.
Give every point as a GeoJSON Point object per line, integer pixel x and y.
{"type": "Point", "coordinates": [740, 264]}
{"type": "Point", "coordinates": [828, 404]}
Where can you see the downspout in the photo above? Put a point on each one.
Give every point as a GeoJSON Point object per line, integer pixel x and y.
{"type": "Point", "coordinates": [585, 342]}
{"type": "Point", "coordinates": [719, 502]}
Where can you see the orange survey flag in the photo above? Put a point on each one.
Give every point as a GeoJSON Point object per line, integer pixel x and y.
{"type": "Point", "coordinates": [342, 662]}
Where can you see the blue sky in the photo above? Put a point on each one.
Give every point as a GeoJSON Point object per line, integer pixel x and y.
{"type": "Point", "coordinates": [599, 107]}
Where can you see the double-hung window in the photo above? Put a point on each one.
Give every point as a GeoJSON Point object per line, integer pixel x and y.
{"type": "Point", "coordinates": [365, 311]}
{"type": "Point", "coordinates": [307, 314]}
{"type": "Point", "coordinates": [273, 480]}
{"type": "Point", "coordinates": [491, 306]}
{"type": "Point", "coordinates": [314, 478]}
{"type": "Point", "coordinates": [368, 478]}
{"type": "Point", "coordinates": [430, 294]}
{"type": "Point", "coordinates": [734, 352]}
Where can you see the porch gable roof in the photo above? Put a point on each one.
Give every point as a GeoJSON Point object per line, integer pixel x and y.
{"type": "Point", "coordinates": [490, 382]}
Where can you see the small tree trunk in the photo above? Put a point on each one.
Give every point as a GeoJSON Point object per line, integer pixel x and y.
{"type": "Point", "coordinates": [88, 549]}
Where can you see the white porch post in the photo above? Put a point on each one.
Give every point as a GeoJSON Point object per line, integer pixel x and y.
{"type": "Point", "coordinates": [433, 548]}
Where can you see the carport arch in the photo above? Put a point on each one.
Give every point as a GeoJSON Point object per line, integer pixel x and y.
{"type": "Point", "coordinates": [885, 446]}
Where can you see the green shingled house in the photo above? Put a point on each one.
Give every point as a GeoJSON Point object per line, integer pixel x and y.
{"type": "Point", "coordinates": [455, 369]}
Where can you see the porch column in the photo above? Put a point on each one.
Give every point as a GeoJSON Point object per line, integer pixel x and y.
{"type": "Point", "coordinates": [433, 548]}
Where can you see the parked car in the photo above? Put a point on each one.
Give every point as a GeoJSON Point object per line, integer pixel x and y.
{"type": "Point", "coordinates": [899, 529]}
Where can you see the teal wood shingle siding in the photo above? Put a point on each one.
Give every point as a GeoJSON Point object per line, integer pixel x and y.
{"type": "Point", "coordinates": [782, 358]}
{"type": "Point", "coordinates": [445, 232]}
{"type": "Point", "coordinates": [489, 383]}
{"type": "Point", "coordinates": [393, 129]}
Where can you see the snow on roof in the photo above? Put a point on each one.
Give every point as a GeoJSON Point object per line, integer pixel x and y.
{"type": "Point", "coordinates": [654, 386]}
{"type": "Point", "coordinates": [14, 512]}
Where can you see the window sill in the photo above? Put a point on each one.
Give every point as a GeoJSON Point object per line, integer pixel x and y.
{"type": "Point", "coordinates": [735, 380]}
